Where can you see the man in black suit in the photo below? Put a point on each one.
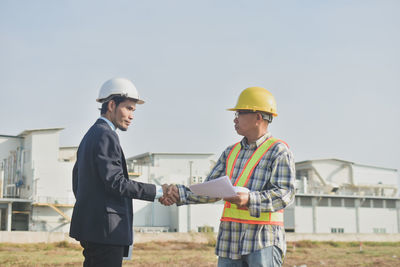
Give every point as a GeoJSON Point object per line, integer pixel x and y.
{"type": "Point", "coordinates": [102, 218]}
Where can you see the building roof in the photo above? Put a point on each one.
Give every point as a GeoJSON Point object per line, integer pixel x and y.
{"type": "Point", "coordinates": [10, 136]}
{"type": "Point", "coordinates": [347, 196]}
{"type": "Point", "coordinates": [345, 161]}
{"type": "Point", "coordinates": [332, 159]}
{"type": "Point", "coordinates": [151, 154]}
{"type": "Point", "coordinates": [68, 147]}
{"type": "Point", "coordinates": [26, 132]}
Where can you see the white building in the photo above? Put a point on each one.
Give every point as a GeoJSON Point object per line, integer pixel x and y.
{"type": "Point", "coordinates": [177, 168]}
{"type": "Point", "coordinates": [35, 181]}
{"type": "Point", "coordinates": [336, 196]}
{"type": "Point", "coordinates": [333, 196]}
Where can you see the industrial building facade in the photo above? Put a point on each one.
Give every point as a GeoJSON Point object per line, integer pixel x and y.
{"type": "Point", "coordinates": [332, 196]}
{"type": "Point", "coordinates": [345, 214]}
{"type": "Point", "coordinates": [176, 168]}
{"type": "Point", "coordinates": [336, 196]}
{"type": "Point", "coordinates": [35, 181]}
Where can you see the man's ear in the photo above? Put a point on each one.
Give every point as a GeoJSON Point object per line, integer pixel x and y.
{"type": "Point", "coordinates": [111, 105]}
{"type": "Point", "coordinates": [259, 117]}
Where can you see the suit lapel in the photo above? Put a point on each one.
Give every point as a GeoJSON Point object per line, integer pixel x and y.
{"type": "Point", "coordinates": [124, 164]}
{"type": "Point", "coordinates": [105, 124]}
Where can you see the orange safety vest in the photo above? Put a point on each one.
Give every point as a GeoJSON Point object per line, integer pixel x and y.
{"type": "Point", "coordinates": [242, 215]}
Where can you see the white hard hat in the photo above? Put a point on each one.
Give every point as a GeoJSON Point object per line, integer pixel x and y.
{"type": "Point", "coordinates": [118, 87]}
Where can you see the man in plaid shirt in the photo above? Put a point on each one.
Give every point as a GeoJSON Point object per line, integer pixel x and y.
{"type": "Point", "coordinates": [251, 232]}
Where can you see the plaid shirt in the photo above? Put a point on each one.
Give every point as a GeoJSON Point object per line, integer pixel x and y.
{"type": "Point", "coordinates": [272, 189]}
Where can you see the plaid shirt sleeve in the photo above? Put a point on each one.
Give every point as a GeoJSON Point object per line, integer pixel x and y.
{"type": "Point", "coordinates": [279, 190]}
{"type": "Point", "coordinates": [187, 197]}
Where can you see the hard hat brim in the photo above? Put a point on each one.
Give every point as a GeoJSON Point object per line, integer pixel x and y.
{"type": "Point", "coordinates": [138, 101]}
{"type": "Point", "coordinates": [254, 110]}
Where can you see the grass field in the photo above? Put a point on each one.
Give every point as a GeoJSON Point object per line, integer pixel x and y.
{"type": "Point", "coordinates": [193, 254]}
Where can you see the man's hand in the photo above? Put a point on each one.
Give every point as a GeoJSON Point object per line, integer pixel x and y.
{"type": "Point", "coordinates": [171, 195]}
{"type": "Point", "coordinates": [241, 199]}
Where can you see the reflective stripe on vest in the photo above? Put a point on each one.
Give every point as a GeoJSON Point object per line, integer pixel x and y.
{"type": "Point", "coordinates": [242, 215]}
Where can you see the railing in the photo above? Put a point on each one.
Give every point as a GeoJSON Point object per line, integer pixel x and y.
{"type": "Point", "coordinates": [55, 200]}
{"type": "Point", "coordinates": [151, 229]}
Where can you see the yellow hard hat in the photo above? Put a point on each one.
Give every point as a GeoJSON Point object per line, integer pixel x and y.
{"type": "Point", "coordinates": [256, 99]}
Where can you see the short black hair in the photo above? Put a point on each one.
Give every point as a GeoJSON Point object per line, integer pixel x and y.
{"type": "Point", "coordinates": [117, 100]}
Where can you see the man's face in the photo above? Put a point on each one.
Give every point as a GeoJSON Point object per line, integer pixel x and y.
{"type": "Point", "coordinates": [245, 122]}
{"type": "Point", "coordinates": [122, 115]}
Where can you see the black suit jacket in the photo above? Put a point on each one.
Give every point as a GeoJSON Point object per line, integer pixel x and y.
{"type": "Point", "coordinates": [103, 209]}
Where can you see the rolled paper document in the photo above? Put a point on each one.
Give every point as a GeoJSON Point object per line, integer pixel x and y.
{"type": "Point", "coordinates": [241, 189]}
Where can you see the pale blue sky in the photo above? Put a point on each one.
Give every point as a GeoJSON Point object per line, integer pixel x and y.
{"type": "Point", "coordinates": [333, 66]}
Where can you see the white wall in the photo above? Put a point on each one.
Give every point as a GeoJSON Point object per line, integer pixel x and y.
{"type": "Point", "coordinates": [28, 191]}
{"type": "Point", "coordinates": [371, 218]}
{"type": "Point", "coordinates": [176, 218]}
{"type": "Point", "coordinates": [151, 214]}
{"type": "Point", "coordinates": [369, 175]}
{"type": "Point", "coordinates": [333, 171]}
{"type": "Point", "coordinates": [51, 178]}
{"type": "Point", "coordinates": [179, 164]}
{"type": "Point", "coordinates": [336, 217]}
{"type": "Point", "coordinates": [340, 172]}
{"type": "Point", "coordinates": [175, 168]}
{"type": "Point", "coordinates": [47, 219]}
{"type": "Point", "coordinates": [303, 220]}
{"type": "Point", "coordinates": [8, 144]}
{"type": "Point", "coordinates": [206, 215]}
{"type": "Point", "coordinates": [67, 153]}
{"type": "Point", "coordinates": [182, 222]}
{"type": "Point", "coordinates": [62, 176]}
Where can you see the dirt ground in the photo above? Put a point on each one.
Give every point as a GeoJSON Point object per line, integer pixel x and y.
{"type": "Point", "coordinates": [303, 253]}
{"type": "Point", "coordinates": [346, 254]}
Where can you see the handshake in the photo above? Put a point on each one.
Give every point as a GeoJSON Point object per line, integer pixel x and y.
{"type": "Point", "coordinates": [171, 195]}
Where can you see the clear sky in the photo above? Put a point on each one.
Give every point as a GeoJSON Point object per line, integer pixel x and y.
{"type": "Point", "coordinates": [333, 66]}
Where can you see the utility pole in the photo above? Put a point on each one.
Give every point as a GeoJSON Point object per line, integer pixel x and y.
{"type": "Point", "coordinates": [189, 211]}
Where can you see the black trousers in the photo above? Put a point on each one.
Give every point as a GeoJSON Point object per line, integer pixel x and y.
{"type": "Point", "coordinates": [102, 255]}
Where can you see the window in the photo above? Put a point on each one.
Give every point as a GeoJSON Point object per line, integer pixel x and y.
{"type": "Point", "coordinates": [205, 229]}
{"type": "Point", "coordinates": [390, 204]}
{"type": "Point", "coordinates": [27, 156]}
{"type": "Point", "coordinates": [349, 203]}
{"type": "Point", "coordinates": [323, 202]}
{"type": "Point", "coordinates": [337, 230]}
{"type": "Point", "coordinates": [336, 202]}
{"type": "Point", "coordinates": [379, 230]}
{"type": "Point", "coordinates": [197, 180]}
{"type": "Point", "coordinates": [377, 203]}
{"type": "Point", "coordinates": [301, 173]}
{"type": "Point", "coordinates": [366, 203]}
{"type": "Point", "coordinates": [305, 201]}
